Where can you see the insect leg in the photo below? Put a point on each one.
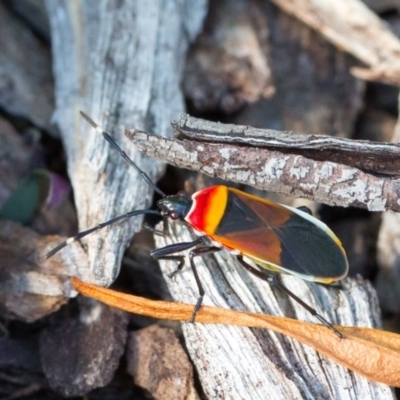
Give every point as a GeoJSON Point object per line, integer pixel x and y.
{"type": "Point", "coordinates": [272, 279]}
{"type": "Point", "coordinates": [201, 251]}
{"type": "Point", "coordinates": [157, 231]}
{"type": "Point", "coordinates": [166, 253]}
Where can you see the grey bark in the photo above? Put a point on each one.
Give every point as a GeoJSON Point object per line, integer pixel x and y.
{"type": "Point", "coordinates": [352, 27]}
{"type": "Point", "coordinates": [121, 63]}
{"type": "Point", "coordinates": [243, 363]}
{"type": "Point", "coordinates": [286, 172]}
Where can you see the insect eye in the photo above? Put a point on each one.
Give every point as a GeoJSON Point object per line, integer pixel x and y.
{"type": "Point", "coordinates": [182, 193]}
{"type": "Point", "coordinates": [175, 214]}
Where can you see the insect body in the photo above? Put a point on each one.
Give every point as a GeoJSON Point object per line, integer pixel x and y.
{"type": "Point", "coordinates": [276, 238]}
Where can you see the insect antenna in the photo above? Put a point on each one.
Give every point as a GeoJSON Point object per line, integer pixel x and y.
{"type": "Point", "coordinates": [130, 214]}
{"type": "Point", "coordinates": [114, 144]}
{"type": "Point", "coordinates": [82, 234]}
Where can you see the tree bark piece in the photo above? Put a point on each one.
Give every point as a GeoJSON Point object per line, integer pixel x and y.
{"type": "Point", "coordinates": [377, 158]}
{"type": "Point", "coordinates": [120, 62]}
{"type": "Point", "coordinates": [315, 91]}
{"type": "Point", "coordinates": [228, 65]}
{"type": "Point", "coordinates": [285, 173]}
{"type": "Point", "coordinates": [388, 257]}
{"type": "Point", "coordinates": [382, 6]}
{"type": "Point", "coordinates": [33, 12]}
{"type": "Point", "coordinates": [354, 28]}
{"type": "Point", "coordinates": [158, 363]}
{"type": "Point", "coordinates": [29, 289]}
{"type": "Point", "coordinates": [26, 88]}
{"type": "Point", "coordinates": [233, 362]}
{"type": "Point", "coordinates": [82, 352]}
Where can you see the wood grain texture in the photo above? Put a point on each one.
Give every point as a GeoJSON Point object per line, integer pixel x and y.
{"type": "Point", "coordinates": [315, 91]}
{"type": "Point", "coordinates": [285, 173]}
{"type": "Point", "coordinates": [242, 363]}
{"type": "Point", "coordinates": [388, 257]}
{"type": "Point", "coordinates": [121, 62]}
{"type": "Point", "coordinates": [375, 157]}
{"type": "Point", "coordinates": [228, 66]}
{"type": "Point", "coordinates": [353, 27]}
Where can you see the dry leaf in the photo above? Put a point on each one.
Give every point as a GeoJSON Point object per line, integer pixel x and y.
{"type": "Point", "coordinates": [372, 353]}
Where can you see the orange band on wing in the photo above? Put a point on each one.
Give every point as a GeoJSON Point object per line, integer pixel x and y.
{"type": "Point", "coordinates": [208, 209]}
